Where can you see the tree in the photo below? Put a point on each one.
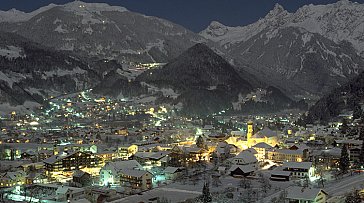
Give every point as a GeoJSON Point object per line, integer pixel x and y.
{"type": "Point", "coordinates": [353, 197]}
{"type": "Point", "coordinates": [344, 127]}
{"type": "Point", "coordinates": [200, 142]}
{"type": "Point", "coordinates": [344, 160]}
{"type": "Point", "coordinates": [206, 195]}
{"type": "Point", "coordinates": [216, 181]}
{"type": "Point", "coordinates": [264, 183]}
{"type": "Point", "coordinates": [215, 158]}
{"type": "Point", "coordinates": [361, 155]}
{"type": "Point", "coordinates": [357, 113]}
{"type": "Point", "coordinates": [163, 200]}
{"type": "Point", "coordinates": [245, 183]}
{"type": "Point", "coordinates": [361, 133]}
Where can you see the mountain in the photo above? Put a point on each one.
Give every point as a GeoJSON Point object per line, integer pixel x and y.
{"type": "Point", "coordinates": [115, 84]}
{"type": "Point", "coordinates": [342, 99]}
{"type": "Point", "coordinates": [340, 21]}
{"type": "Point", "coordinates": [31, 73]}
{"type": "Point", "coordinates": [206, 83]}
{"type": "Point", "coordinates": [320, 44]}
{"type": "Point", "coordinates": [297, 61]}
{"type": "Point", "coordinates": [102, 31]}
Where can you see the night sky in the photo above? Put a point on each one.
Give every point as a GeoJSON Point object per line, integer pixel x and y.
{"type": "Point", "coordinates": [192, 14]}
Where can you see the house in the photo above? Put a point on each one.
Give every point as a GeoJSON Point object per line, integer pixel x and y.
{"type": "Point", "coordinates": [216, 137]}
{"type": "Point", "coordinates": [64, 194]}
{"type": "Point", "coordinates": [127, 151]}
{"type": "Point", "coordinates": [262, 148]}
{"type": "Point", "coordinates": [33, 178]}
{"type": "Point", "coordinates": [245, 157]}
{"type": "Point", "coordinates": [136, 179]}
{"type": "Point", "coordinates": [81, 178]}
{"type": "Point", "coordinates": [179, 155]}
{"type": "Point", "coordinates": [277, 175]}
{"type": "Point", "coordinates": [127, 173]}
{"type": "Point", "coordinates": [242, 170]}
{"type": "Point", "coordinates": [282, 155]}
{"type": "Point", "coordinates": [296, 194]}
{"type": "Point", "coordinates": [110, 173]}
{"type": "Point", "coordinates": [10, 179]}
{"type": "Point", "coordinates": [328, 158]}
{"type": "Point", "coordinates": [299, 169]}
{"type": "Point", "coordinates": [151, 158]}
{"type": "Point", "coordinates": [172, 173]}
{"type": "Point", "coordinates": [73, 161]}
{"type": "Point", "coordinates": [107, 156]}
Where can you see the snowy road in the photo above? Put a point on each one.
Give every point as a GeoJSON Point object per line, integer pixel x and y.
{"type": "Point", "coordinates": [346, 185]}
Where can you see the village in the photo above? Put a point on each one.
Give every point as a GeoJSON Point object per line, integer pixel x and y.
{"type": "Point", "coordinates": [84, 149]}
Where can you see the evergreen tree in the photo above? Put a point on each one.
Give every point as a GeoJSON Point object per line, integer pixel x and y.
{"type": "Point", "coordinates": [200, 142]}
{"type": "Point", "coordinates": [344, 160]}
{"type": "Point", "coordinates": [344, 127]}
{"type": "Point", "coordinates": [361, 133]}
{"type": "Point", "coordinates": [206, 195]}
{"type": "Point", "coordinates": [357, 113]}
{"type": "Point", "coordinates": [353, 197]}
{"type": "Point", "coordinates": [361, 155]}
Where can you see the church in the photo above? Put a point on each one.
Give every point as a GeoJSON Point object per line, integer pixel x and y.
{"type": "Point", "coordinates": [266, 135]}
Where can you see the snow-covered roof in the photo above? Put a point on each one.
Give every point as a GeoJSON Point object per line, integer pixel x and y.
{"type": "Point", "coordinates": [266, 132]}
{"type": "Point", "coordinates": [280, 173]}
{"type": "Point", "coordinates": [262, 145]}
{"type": "Point", "coordinates": [247, 157]}
{"type": "Point", "coordinates": [134, 172]}
{"type": "Point", "coordinates": [124, 165]}
{"type": "Point", "coordinates": [62, 190]}
{"type": "Point", "coordinates": [354, 142]}
{"type": "Point", "coordinates": [301, 165]}
{"type": "Point", "coordinates": [302, 193]}
{"type": "Point", "coordinates": [170, 169]}
{"type": "Point", "coordinates": [244, 168]}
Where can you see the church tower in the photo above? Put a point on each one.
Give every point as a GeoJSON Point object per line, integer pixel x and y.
{"type": "Point", "coordinates": [249, 133]}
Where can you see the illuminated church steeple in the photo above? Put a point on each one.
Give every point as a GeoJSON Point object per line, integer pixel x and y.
{"type": "Point", "coordinates": [250, 130]}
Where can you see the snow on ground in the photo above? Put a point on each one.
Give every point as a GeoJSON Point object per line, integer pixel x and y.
{"type": "Point", "coordinates": [12, 52]}
{"type": "Point", "coordinates": [60, 29]}
{"type": "Point", "coordinates": [173, 195]}
{"type": "Point", "coordinates": [167, 92]}
{"type": "Point", "coordinates": [148, 99]}
{"type": "Point", "coordinates": [14, 15]}
{"type": "Point", "coordinates": [6, 108]}
{"type": "Point", "coordinates": [60, 72]}
{"type": "Point", "coordinates": [347, 184]}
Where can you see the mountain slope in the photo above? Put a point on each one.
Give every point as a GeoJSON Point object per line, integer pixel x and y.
{"type": "Point", "coordinates": [306, 53]}
{"type": "Point", "coordinates": [344, 98]}
{"type": "Point", "coordinates": [340, 21]}
{"type": "Point", "coordinates": [198, 67]}
{"type": "Point", "coordinates": [205, 81]}
{"type": "Point", "coordinates": [103, 31]}
{"type": "Point", "coordinates": [297, 61]}
{"type": "Point", "coordinates": [32, 73]}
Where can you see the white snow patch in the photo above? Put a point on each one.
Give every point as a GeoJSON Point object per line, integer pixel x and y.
{"type": "Point", "coordinates": [60, 72]}
{"type": "Point", "coordinates": [60, 29]}
{"type": "Point", "coordinates": [26, 108]}
{"type": "Point", "coordinates": [12, 52]}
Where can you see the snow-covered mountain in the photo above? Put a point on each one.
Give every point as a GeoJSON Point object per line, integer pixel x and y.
{"type": "Point", "coordinates": [206, 83]}
{"type": "Point", "coordinates": [103, 31]}
{"type": "Point", "coordinates": [340, 21]}
{"type": "Point", "coordinates": [307, 52]}
{"type": "Point", "coordinates": [31, 73]}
